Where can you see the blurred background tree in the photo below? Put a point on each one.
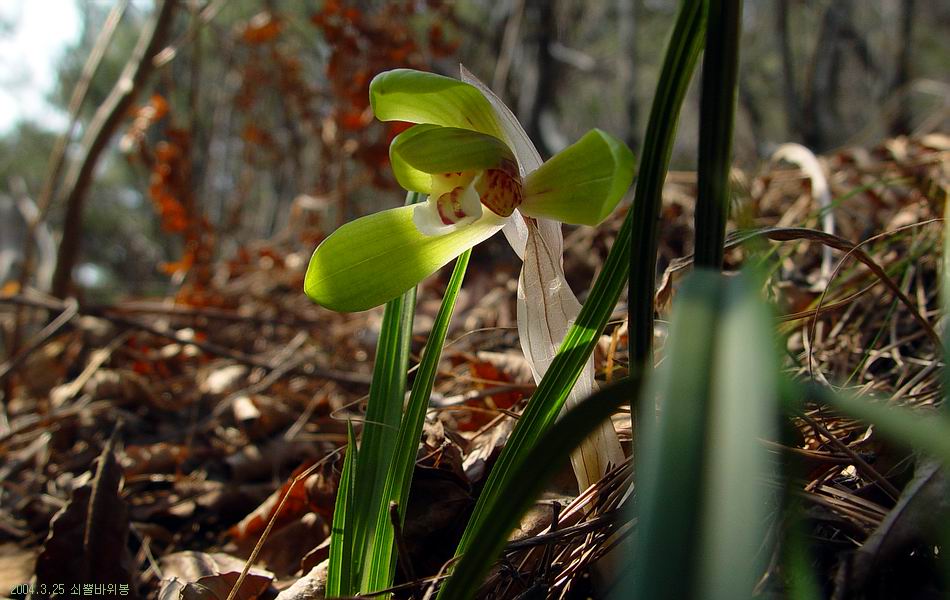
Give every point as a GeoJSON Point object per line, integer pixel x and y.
{"type": "Point", "coordinates": [255, 122]}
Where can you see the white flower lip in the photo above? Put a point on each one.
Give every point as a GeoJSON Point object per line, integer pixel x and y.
{"type": "Point", "coordinates": [439, 216]}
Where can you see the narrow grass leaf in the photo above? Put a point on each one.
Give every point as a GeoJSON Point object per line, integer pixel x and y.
{"type": "Point", "coordinates": [380, 566]}
{"type": "Point", "coordinates": [679, 62]}
{"type": "Point", "coordinates": [519, 492]}
{"type": "Point", "coordinates": [945, 304]}
{"type": "Point", "coordinates": [339, 572]}
{"type": "Point", "coordinates": [802, 582]}
{"type": "Point", "coordinates": [383, 416]}
{"type": "Point", "coordinates": [716, 118]}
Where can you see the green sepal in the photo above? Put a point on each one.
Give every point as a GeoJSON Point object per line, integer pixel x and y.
{"type": "Point", "coordinates": [419, 97]}
{"type": "Point", "coordinates": [581, 184]}
{"type": "Point", "coordinates": [426, 150]}
{"type": "Point", "coordinates": [372, 260]}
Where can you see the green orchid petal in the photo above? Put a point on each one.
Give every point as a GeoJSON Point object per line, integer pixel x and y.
{"type": "Point", "coordinates": [419, 97]}
{"type": "Point", "coordinates": [372, 260]}
{"type": "Point", "coordinates": [409, 177]}
{"type": "Point", "coordinates": [426, 150]}
{"type": "Point", "coordinates": [581, 184]}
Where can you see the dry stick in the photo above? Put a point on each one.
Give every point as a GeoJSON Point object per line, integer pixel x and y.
{"type": "Point", "coordinates": [270, 525]}
{"type": "Point", "coordinates": [881, 274]}
{"type": "Point", "coordinates": [151, 308]}
{"type": "Point", "coordinates": [280, 366]}
{"type": "Point", "coordinates": [860, 463]}
{"type": "Point", "coordinates": [209, 347]}
{"type": "Point", "coordinates": [839, 243]}
{"type": "Point", "coordinates": [50, 419]}
{"type": "Point", "coordinates": [205, 16]}
{"type": "Point", "coordinates": [57, 158]}
{"type": "Point", "coordinates": [508, 42]}
{"type": "Point", "coordinates": [70, 310]}
{"type": "Point", "coordinates": [405, 561]}
{"type": "Point", "coordinates": [96, 360]}
{"type": "Point", "coordinates": [103, 126]}
{"type": "Point", "coordinates": [212, 348]}
{"type": "Point", "coordinates": [784, 234]}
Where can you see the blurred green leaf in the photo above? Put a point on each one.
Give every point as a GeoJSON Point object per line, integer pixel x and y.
{"type": "Point", "coordinates": [672, 446]}
{"type": "Point", "coordinates": [704, 483]}
{"type": "Point", "coordinates": [738, 468]}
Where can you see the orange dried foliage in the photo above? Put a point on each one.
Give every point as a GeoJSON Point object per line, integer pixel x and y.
{"type": "Point", "coordinates": [365, 43]}
{"type": "Point", "coordinates": [487, 375]}
{"type": "Point", "coordinates": [171, 191]}
{"type": "Point", "coordinates": [336, 114]}
{"type": "Point", "coordinates": [316, 494]}
{"type": "Point", "coordinates": [262, 28]}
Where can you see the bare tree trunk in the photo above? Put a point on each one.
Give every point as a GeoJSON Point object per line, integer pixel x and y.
{"type": "Point", "coordinates": [751, 107]}
{"type": "Point", "coordinates": [901, 124]}
{"type": "Point", "coordinates": [547, 71]}
{"type": "Point", "coordinates": [506, 51]}
{"type": "Point", "coordinates": [101, 128]}
{"type": "Point", "coordinates": [793, 105]}
{"type": "Point", "coordinates": [821, 115]}
{"type": "Point", "coordinates": [626, 71]}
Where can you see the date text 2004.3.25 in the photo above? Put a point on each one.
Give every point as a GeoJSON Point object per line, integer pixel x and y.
{"type": "Point", "coordinates": [97, 590]}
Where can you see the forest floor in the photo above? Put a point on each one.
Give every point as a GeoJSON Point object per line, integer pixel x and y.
{"type": "Point", "coordinates": [179, 424]}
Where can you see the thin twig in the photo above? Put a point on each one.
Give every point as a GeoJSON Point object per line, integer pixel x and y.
{"type": "Point", "coordinates": [405, 561]}
{"type": "Point", "coordinates": [175, 335]}
{"type": "Point", "coordinates": [859, 462]}
{"type": "Point", "coordinates": [70, 310]}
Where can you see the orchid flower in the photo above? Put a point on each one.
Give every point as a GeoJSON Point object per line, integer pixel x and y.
{"type": "Point", "coordinates": [481, 175]}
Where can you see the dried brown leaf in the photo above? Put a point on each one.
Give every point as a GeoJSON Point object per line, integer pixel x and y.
{"type": "Point", "coordinates": [87, 542]}
{"type": "Point", "coordinates": [200, 576]}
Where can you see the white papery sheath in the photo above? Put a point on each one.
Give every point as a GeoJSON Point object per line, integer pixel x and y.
{"type": "Point", "coordinates": [546, 305]}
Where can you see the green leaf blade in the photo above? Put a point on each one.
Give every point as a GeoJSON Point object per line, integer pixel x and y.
{"type": "Point", "coordinates": [380, 565]}
{"type": "Point", "coordinates": [737, 498]}
{"type": "Point", "coordinates": [553, 389]}
{"type": "Point", "coordinates": [679, 62]}
{"type": "Point", "coordinates": [339, 573]}
{"type": "Point", "coordinates": [704, 483]}
{"type": "Point", "coordinates": [382, 419]}
{"type": "Point", "coordinates": [717, 116]}
{"type": "Point", "coordinates": [672, 445]}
